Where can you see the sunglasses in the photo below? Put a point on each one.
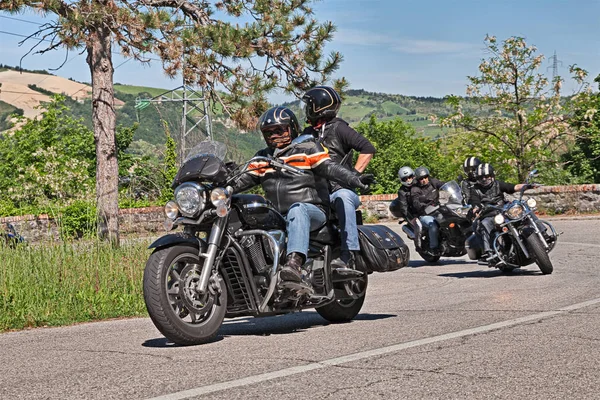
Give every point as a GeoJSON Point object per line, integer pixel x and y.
{"type": "Point", "coordinates": [422, 178]}
{"type": "Point", "coordinates": [278, 130]}
{"type": "Point", "coordinates": [486, 177]}
{"type": "Point", "coordinates": [408, 178]}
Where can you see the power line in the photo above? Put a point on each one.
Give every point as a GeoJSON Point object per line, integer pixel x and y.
{"type": "Point", "coordinates": [20, 20]}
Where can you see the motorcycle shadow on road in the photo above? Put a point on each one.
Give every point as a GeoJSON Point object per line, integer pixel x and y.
{"type": "Point", "coordinates": [491, 273]}
{"type": "Point", "coordinates": [276, 325]}
{"type": "Point", "coordinates": [449, 261]}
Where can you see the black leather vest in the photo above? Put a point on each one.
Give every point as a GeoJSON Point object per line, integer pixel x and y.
{"type": "Point", "coordinates": [493, 195]}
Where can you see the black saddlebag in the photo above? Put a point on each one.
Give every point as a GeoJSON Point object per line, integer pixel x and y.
{"type": "Point", "coordinates": [381, 249]}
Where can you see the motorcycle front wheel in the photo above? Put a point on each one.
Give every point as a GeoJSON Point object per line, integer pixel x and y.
{"type": "Point", "coordinates": [176, 309]}
{"type": "Point", "coordinates": [538, 252]}
{"type": "Point", "coordinates": [428, 257]}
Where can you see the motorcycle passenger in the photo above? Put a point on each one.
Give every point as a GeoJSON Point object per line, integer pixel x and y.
{"type": "Point", "coordinates": [303, 200]}
{"type": "Point", "coordinates": [423, 194]}
{"type": "Point", "coordinates": [466, 185]}
{"type": "Point", "coordinates": [406, 175]}
{"type": "Point", "coordinates": [322, 106]}
{"type": "Point", "coordinates": [488, 190]}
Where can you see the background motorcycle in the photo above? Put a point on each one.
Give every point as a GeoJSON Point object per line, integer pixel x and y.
{"type": "Point", "coordinates": [520, 237]}
{"type": "Point", "coordinates": [454, 225]}
{"type": "Point", "coordinates": [226, 261]}
{"type": "Point", "coordinates": [10, 237]}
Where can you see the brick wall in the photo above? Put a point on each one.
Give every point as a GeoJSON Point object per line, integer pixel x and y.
{"type": "Point", "coordinates": [149, 221]}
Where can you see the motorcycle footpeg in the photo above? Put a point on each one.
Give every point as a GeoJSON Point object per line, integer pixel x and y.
{"type": "Point", "coordinates": [342, 274]}
{"type": "Point", "coordinates": [298, 287]}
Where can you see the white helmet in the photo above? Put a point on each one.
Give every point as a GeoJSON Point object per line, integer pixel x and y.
{"type": "Point", "coordinates": [406, 176]}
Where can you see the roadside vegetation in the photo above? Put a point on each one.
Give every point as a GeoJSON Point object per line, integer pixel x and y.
{"type": "Point", "coordinates": [62, 283]}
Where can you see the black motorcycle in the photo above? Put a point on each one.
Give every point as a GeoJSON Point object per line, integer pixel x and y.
{"type": "Point", "coordinates": [520, 237]}
{"type": "Point", "coordinates": [10, 237]}
{"type": "Point", "coordinates": [454, 223]}
{"type": "Point", "coordinates": [226, 261]}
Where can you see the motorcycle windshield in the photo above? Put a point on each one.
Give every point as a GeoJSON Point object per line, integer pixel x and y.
{"type": "Point", "coordinates": [207, 148]}
{"type": "Point", "coordinates": [450, 193]}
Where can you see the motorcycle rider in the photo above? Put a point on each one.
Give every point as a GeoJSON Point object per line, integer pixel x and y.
{"type": "Point", "coordinates": [303, 200]}
{"type": "Point", "coordinates": [423, 194]}
{"type": "Point", "coordinates": [322, 106]}
{"type": "Point", "coordinates": [406, 175]}
{"type": "Point", "coordinates": [466, 185]}
{"type": "Point", "coordinates": [488, 190]}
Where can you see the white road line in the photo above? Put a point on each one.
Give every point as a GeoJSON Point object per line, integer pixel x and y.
{"type": "Point", "coordinates": [579, 244]}
{"type": "Point", "coordinates": [250, 380]}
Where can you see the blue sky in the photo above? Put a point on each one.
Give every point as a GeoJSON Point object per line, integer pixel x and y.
{"type": "Point", "coordinates": [420, 48]}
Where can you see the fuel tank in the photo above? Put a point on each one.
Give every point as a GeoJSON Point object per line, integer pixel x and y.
{"type": "Point", "coordinates": [258, 213]}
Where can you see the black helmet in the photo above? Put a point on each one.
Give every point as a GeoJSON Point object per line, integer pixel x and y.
{"type": "Point", "coordinates": [421, 172]}
{"type": "Point", "coordinates": [275, 122]}
{"type": "Point", "coordinates": [322, 102]}
{"type": "Point", "coordinates": [470, 167]}
{"type": "Point", "coordinates": [485, 175]}
{"type": "Point", "coordinates": [404, 174]}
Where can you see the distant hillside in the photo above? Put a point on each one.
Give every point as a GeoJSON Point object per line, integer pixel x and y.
{"type": "Point", "coordinates": [26, 90]}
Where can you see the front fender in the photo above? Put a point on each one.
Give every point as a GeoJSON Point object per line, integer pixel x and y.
{"type": "Point", "coordinates": [177, 238]}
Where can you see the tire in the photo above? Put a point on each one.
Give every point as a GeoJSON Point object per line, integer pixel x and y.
{"type": "Point", "coordinates": [506, 270]}
{"type": "Point", "coordinates": [539, 254]}
{"type": "Point", "coordinates": [428, 257]}
{"type": "Point", "coordinates": [344, 310]}
{"type": "Point", "coordinates": [178, 315]}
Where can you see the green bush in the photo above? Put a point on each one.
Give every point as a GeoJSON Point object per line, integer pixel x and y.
{"type": "Point", "coordinates": [78, 220]}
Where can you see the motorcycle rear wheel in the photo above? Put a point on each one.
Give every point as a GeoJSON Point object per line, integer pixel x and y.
{"type": "Point", "coordinates": [345, 309]}
{"type": "Point", "coordinates": [538, 252]}
{"type": "Point", "coordinates": [172, 303]}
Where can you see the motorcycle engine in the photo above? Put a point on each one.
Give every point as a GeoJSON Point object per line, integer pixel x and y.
{"type": "Point", "coordinates": [255, 252]}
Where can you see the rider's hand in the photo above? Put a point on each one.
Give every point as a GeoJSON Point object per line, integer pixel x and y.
{"type": "Point", "coordinates": [367, 179]}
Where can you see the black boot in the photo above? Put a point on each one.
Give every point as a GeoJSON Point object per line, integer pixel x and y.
{"type": "Point", "coordinates": [291, 271]}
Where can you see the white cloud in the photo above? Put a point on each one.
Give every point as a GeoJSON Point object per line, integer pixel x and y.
{"type": "Point", "coordinates": [410, 46]}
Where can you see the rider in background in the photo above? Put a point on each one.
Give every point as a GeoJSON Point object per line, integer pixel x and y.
{"type": "Point", "coordinates": [302, 199]}
{"type": "Point", "coordinates": [423, 194]}
{"type": "Point", "coordinates": [466, 185]}
{"type": "Point", "coordinates": [489, 191]}
{"type": "Point", "coordinates": [322, 106]}
{"type": "Point", "coordinates": [406, 175]}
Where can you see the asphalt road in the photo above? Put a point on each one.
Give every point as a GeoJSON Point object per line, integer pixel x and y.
{"type": "Point", "coordinates": [453, 330]}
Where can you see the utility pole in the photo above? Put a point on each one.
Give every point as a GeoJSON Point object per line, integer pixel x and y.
{"type": "Point", "coordinates": [555, 61]}
{"type": "Point", "coordinates": [191, 101]}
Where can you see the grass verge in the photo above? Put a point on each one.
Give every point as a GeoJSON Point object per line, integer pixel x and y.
{"type": "Point", "coordinates": [64, 283]}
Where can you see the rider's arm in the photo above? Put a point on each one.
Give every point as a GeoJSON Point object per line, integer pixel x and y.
{"type": "Point", "coordinates": [351, 139]}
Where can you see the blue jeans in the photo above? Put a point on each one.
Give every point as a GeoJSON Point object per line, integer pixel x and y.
{"type": "Point", "coordinates": [345, 203]}
{"type": "Point", "coordinates": [302, 218]}
{"type": "Point", "coordinates": [429, 222]}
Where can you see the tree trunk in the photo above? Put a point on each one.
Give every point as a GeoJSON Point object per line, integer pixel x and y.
{"type": "Point", "coordinates": [104, 120]}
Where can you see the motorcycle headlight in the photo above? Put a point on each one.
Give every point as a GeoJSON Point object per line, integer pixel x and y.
{"type": "Point", "coordinates": [515, 212]}
{"type": "Point", "coordinates": [531, 203]}
{"type": "Point", "coordinates": [220, 197]}
{"type": "Point", "coordinates": [191, 198]}
{"type": "Point", "coordinates": [463, 211]}
{"type": "Point", "coordinates": [499, 219]}
{"type": "Point", "coordinates": [171, 210]}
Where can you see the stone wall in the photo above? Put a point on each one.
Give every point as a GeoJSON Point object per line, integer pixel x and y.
{"type": "Point", "coordinates": [576, 199]}
{"type": "Point", "coordinates": [552, 200]}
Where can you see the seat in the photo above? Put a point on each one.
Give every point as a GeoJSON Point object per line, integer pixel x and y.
{"type": "Point", "coordinates": [323, 235]}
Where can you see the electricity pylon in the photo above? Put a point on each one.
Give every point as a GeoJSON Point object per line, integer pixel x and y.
{"type": "Point", "coordinates": [191, 101]}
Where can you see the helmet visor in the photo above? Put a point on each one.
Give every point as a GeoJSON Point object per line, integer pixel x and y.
{"type": "Point", "coordinates": [407, 179]}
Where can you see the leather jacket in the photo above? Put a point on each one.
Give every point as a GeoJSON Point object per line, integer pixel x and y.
{"type": "Point", "coordinates": [423, 196]}
{"type": "Point", "coordinates": [340, 140]}
{"type": "Point", "coordinates": [283, 188]}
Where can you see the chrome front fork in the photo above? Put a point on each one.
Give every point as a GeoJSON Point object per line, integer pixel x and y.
{"type": "Point", "coordinates": [216, 234]}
